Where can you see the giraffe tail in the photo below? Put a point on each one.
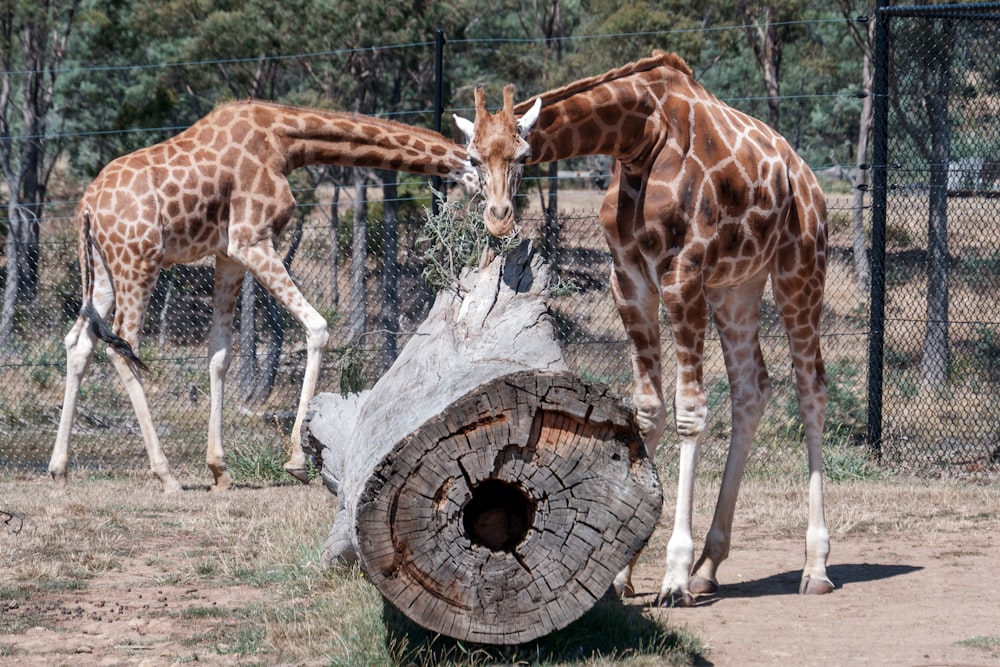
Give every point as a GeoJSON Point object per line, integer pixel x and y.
{"type": "Point", "coordinates": [88, 312]}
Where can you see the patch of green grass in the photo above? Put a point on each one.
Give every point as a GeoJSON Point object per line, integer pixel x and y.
{"type": "Point", "coordinates": [989, 644]}
{"type": "Point", "coordinates": [14, 594]}
{"type": "Point", "coordinates": [373, 632]}
{"type": "Point", "coordinates": [256, 463]}
{"type": "Point", "coordinates": [842, 464]}
{"type": "Point", "coordinates": [207, 569]}
{"type": "Point", "coordinates": [240, 632]}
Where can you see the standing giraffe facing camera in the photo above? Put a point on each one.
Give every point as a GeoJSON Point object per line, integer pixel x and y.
{"type": "Point", "coordinates": [706, 203]}
{"type": "Point", "coordinates": [219, 188]}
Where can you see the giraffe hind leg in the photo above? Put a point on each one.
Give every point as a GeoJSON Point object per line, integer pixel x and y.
{"type": "Point", "coordinates": [128, 321]}
{"type": "Point", "coordinates": [736, 311]}
{"type": "Point", "coordinates": [228, 278]}
{"type": "Point", "coordinates": [79, 344]}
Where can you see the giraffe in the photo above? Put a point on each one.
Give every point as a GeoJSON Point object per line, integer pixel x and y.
{"type": "Point", "coordinates": [217, 189]}
{"type": "Point", "coordinates": [706, 204]}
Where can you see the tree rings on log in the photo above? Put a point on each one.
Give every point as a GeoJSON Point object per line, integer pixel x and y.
{"type": "Point", "coordinates": [507, 516]}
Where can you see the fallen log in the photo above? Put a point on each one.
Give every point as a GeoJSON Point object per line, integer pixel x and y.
{"type": "Point", "coordinates": [489, 494]}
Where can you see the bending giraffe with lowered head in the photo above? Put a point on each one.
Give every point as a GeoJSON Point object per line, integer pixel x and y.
{"type": "Point", "coordinates": [218, 188]}
{"type": "Point", "coordinates": [706, 204]}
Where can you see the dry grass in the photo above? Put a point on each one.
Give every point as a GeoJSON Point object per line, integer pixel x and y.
{"type": "Point", "coordinates": [238, 574]}
{"type": "Point", "coordinates": [213, 577]}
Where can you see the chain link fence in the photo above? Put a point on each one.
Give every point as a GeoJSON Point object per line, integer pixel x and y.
{"type": "Point", "coordinates": [264, 381]}
{"type": "Point", "coordinates": [936, 196]}
{"type": "Point", "coordinates": [916, 407]}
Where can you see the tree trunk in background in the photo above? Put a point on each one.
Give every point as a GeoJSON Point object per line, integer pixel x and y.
{"type": "Point", "coordinates": [859, 240]}
{"type": "Point", "coordinates": [389, 314]}
{"type": "Point", "coordinates": [335, 243]}
{"type": "Point", "coordinates": [551, 243]}
{"type": "Point", "coordinates": [356, 311]}
{"type": "Point", "coordinates": [936, 74]}
{"type": "Point", "coordinates": [934, 360]}
{"type": "Point", "coordinates": [487, 492]}
{"type": "Point", "coordinates": [43, 32]}
{"type": "Point", "coordinates": [248, 338]}
{"type": "Point", "coordinates": [12, 249]}
{"type": "Point", "coordinates": [767, 46]}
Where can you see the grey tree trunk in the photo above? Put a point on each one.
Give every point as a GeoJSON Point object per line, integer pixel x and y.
{"type": "Point", "coordinates": [357, 315]}
{"type": "Point", "coordinates": [487, 492]}
{"type": "Point", "coordinates": [934, 360]}
{"type": "Point", "coordinates": [12, 281]}
{"type": "Point", "coordinates": [389, 313]}
{"type": "Point", "coordinates": [862, 266]}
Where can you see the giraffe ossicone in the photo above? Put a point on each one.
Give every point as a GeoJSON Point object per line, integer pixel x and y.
{"type": "Point", "coordinates": [217, 189]}
{"type": "Point", "coordinates": [707, 206]}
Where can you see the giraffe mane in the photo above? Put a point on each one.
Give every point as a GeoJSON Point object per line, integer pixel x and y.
{"type": "Point", "coordinates": [658, 59]}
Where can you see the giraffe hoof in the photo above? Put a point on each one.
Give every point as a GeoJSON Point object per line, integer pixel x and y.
{"type": "Point", "coordinates": [817, 586]}
{"type": "Point", "coordinates": [222, 483]}
{"type": "Point", "coordinates": [622, 589]}
{"type": "Point", "coordinates": [171, 485]}
{"type": "Point", "coordinates": [672, 599]}
{"type": "Point", "coordinates": [300, 474]}
{"type": "Point", "coordinates": [703, 586]}
{"type": "Point", "coordinates": [59, 482]}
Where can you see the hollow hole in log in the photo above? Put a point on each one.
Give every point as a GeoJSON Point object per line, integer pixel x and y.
{"type": "Point", "coordinates": [498, 515]}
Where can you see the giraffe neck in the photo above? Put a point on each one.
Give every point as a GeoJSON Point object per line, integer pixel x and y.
{"type": "Point", "coordinates": [608, 114]}
{"type": "Point", "coordinates": [309, 136]}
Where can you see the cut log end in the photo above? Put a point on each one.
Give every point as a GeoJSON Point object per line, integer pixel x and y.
{"type": "Point", "coordinates": [507, 516]}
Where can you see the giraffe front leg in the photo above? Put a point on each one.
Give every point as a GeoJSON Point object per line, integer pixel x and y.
{"type": "Point", "coordinates": [686, 308]}
{"type": "Point", "coordinates": [316, 337]}
{"type": "Point", "coordinates": [675, 589]}
{"type": "Point", "coordinates": [640, 317]}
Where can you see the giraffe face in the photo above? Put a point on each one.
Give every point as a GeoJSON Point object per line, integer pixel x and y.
{"type": "Point", "coordinates": [498, 150]}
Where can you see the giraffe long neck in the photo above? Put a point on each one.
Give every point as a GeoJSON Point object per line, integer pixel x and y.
{"type": "Point", "coordinates": [608, 115]}
{"type": "Point", "coordinates": [350, 140]}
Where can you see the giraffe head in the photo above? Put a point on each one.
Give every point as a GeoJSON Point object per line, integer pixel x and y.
{"type": "Point", "coordinates": [497, 148]}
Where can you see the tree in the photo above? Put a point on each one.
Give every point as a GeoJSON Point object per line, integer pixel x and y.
{"type": "Point", "coordinates": [920, 98]}
{"type": "Point", "coordinates": [33, 40]}
{"type": "Point", "coordinates": [859, 176]}
{"type": "Point", "coordinates": [768, 27]}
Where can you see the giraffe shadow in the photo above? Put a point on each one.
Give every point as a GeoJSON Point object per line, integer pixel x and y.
{"type": "Point", "coordinates": [787, 583]}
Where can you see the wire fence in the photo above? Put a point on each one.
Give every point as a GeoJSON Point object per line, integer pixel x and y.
{"type": "Point", "coordinates": [935, 353]}
{"type": "Point", "coordinates": [947, 433]}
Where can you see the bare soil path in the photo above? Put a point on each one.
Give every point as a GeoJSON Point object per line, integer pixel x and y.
{"type": "Point", "coordinates": [917, 599]}
{"type": "Point", "coordinates": [175, 580]}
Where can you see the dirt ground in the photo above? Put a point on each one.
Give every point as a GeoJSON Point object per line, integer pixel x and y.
{"type": "Point", "coordinates": [917, 599]}
{"type": "Point", "coordinates": [916, 588]}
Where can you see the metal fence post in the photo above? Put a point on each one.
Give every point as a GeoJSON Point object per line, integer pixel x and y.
{"type": "Point", "coordinates": [880, 147]}
{"type": "Point", "coordinates": [439, 42]}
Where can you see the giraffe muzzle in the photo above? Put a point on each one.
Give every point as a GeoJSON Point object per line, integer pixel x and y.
{"type": "Point", "coordinates": [499, 220]}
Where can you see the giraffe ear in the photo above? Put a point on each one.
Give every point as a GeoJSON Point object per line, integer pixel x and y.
{"type": "Point", "coordinates": [467, 127]}
{"type": "Point", "coordinates": [529, 119]}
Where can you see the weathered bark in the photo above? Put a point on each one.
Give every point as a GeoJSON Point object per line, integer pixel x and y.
{"type": "Point", "coordinates": [488, 493]}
